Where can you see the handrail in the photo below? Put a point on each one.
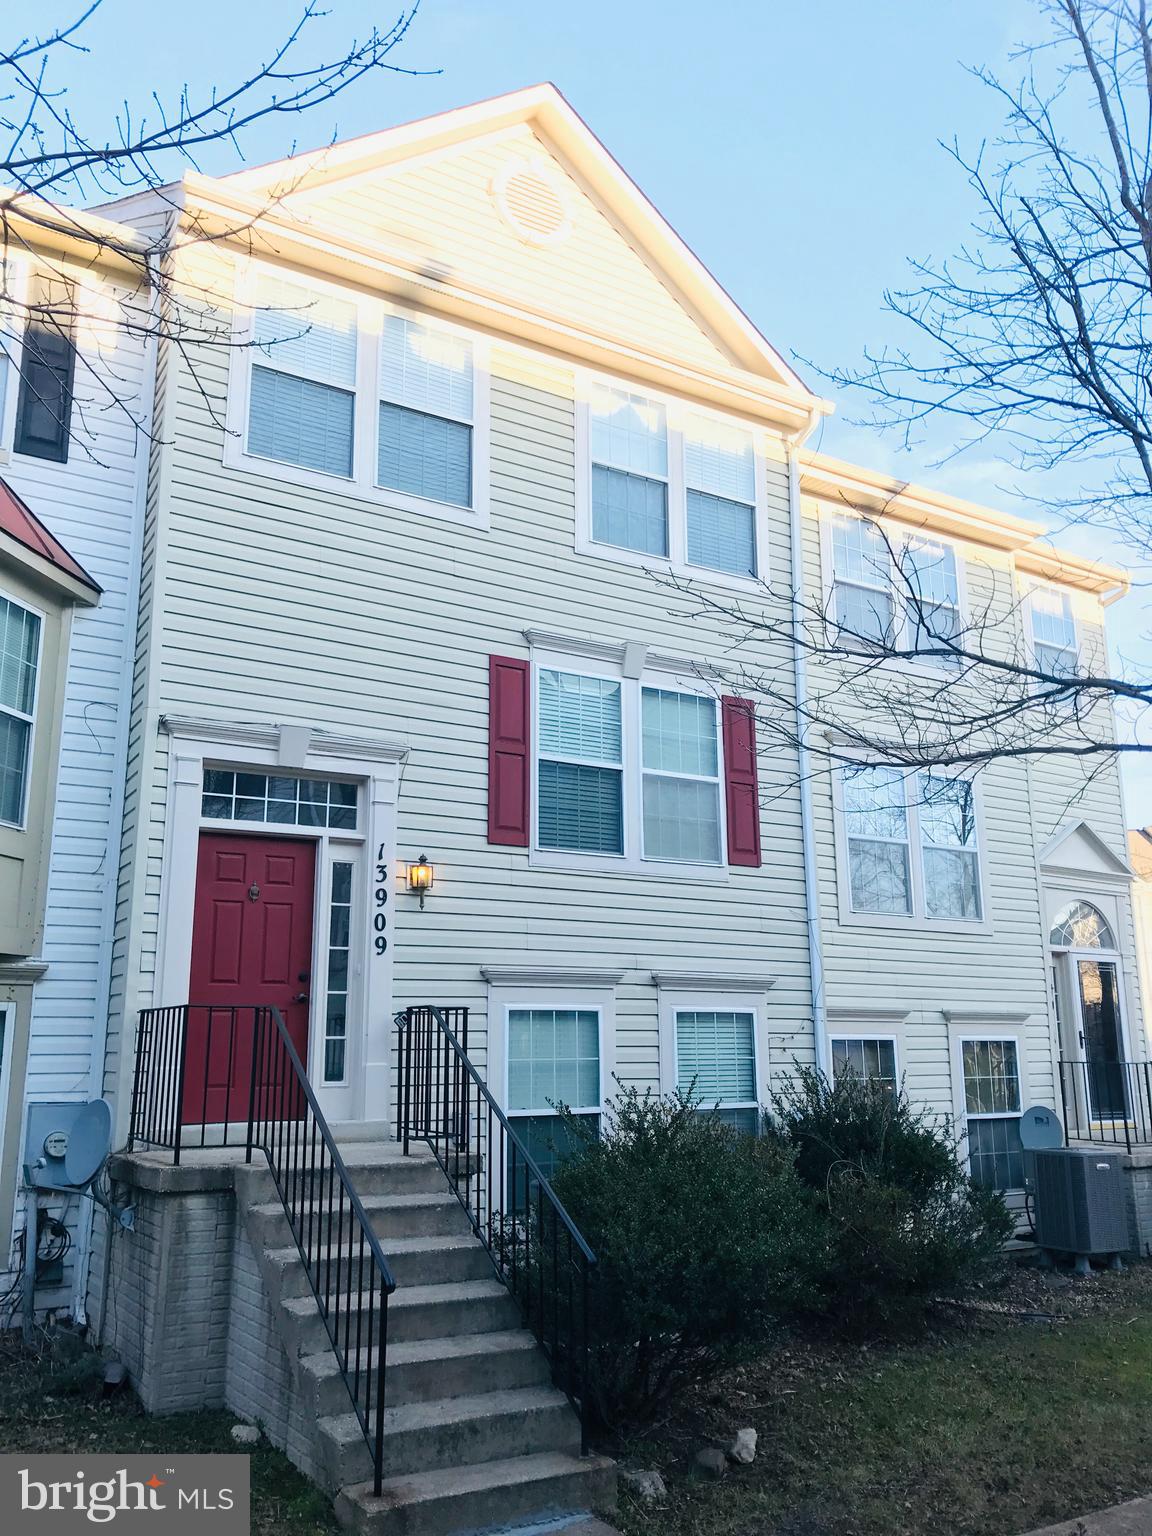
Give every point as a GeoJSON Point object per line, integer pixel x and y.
{"type": "Point", "coordinates": [1107, 1102]}
{"type": "Point", "coordinates": [287, 1124]}
{"type": "Point", "coordinates": [535, 1247]}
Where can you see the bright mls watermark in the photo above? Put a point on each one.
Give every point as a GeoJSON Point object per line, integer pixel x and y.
{"type": "Point", "coordinates": [145, 1494]}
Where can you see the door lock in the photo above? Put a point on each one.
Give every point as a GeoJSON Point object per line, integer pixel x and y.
{"type": "Point", "coordinates": [301, 997]}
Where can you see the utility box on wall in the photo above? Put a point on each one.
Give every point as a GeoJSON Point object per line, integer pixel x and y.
{"type": "Point", "coordinates": [1081, 1201]}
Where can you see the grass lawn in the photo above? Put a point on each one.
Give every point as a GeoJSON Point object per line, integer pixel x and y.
{"type": "Point", "coordinates": [1001, 1421]}
{"type": "Point", "coordinates": [52, 1401]}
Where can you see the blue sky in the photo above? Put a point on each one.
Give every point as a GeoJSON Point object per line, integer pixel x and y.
{"type": "Point", "coordinates": [795, 148]}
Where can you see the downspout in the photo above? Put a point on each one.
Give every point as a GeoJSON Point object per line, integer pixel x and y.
{"type": "Point", "coordinates": [804, 763]}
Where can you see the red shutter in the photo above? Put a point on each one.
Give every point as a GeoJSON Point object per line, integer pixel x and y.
{"type": "Point", "coordinates": [741, 791]}
{"type": "Point", "coordinates": [509, 715]}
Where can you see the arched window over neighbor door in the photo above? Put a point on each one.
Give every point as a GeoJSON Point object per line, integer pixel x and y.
{"type": "Point", "coordinates": [1086, 971]}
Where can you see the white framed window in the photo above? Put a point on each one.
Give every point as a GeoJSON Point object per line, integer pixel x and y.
{"type": "Point", "coordinates": [302, 391]}
{"type": "Point", "coordinates": [659, 481]}
{"type": "Point", "coordinates": [910, 845]}
{"type": "Point", "coordinates": [337, 942]}
{"type": "Point", "coordinates": [332, 386]}
{"type": "Point", "coordinates": [628, 770]}
{"type": "Point", "coordinates": [890, 589]}
{"type": "Point", "coordinates": [713, 1044]}
{"type": "Point", "coordinates": [21, 638]}
{"type": "Point", "coordinates": [553, 1059]}
{"type": "Point", "coordinates": [716, 1061]}
{"type": "Point", "coordinates": [990, 1072]}
{"type": "Point", "coordinates": [1052, 629]}
{"type": "Point", "coordinates": [872, 1058]}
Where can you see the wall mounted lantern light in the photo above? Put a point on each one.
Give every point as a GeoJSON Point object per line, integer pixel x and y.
{"type": "Point", "coordinates": [421, 877]}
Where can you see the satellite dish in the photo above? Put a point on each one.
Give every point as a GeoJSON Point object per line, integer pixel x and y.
{"type": "Point", "coordinates": [1040, 1128]}
{"type": "Point", "coordinates": [88, 1143]}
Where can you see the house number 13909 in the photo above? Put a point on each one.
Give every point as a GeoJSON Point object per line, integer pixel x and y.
{"type": "Point", "coordinates": [380, 899]}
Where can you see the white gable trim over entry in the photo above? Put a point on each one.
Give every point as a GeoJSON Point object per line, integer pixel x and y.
{"type": "Point", "coordinates": [375, 764]}
{"type": "Point", "coordinates": [1076, 851]}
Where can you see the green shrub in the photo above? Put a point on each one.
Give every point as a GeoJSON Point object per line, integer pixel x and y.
{"type": "Point", "coordinates": [905, 1224]}
{"type": "Point", "coordinates": [704, 1238]}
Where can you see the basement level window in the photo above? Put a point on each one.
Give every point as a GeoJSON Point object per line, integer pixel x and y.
{"type": "Point", "coordinates": [279, 800]}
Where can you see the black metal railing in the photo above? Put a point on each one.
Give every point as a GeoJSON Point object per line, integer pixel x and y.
{"type": "Point", "coordinates": [535, 1247]}
{"type": "Point", "coordinates": [191, 1081]}
{"type": "Point", "coordinates": [232, 1076]}
{"type": "Point", "coordinates": [346, 1268]}
{"type": "Point", "coordinates": [1107, 1101]}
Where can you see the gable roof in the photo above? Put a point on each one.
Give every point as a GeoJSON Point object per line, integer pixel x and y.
{"type": "Point", "coordinates": [546, 111]}
{"type": "Point", "coordinates": [20, 526]}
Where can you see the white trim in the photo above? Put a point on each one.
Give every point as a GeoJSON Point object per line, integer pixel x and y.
{"type": "Point", "coordinates": [929, 666]}
{"type": "Point", "coordinates": [960, 1097]}
{"type": "Point", "coordinates": [283, 741]}
{"type": "Point", "coordinates": [678, 414]}
{"type": "Point", "coordinates": [632, 860]}
{"type": "Point", "coordinates": [21, 972]}
{"type": "Point", "coordinates": [1121, 871]}
{"type": "Point", "coordinates": [29, 718]}
{"type": "Point", "coordinates": [863, 1037]}
{"type": "Point", "coordinates": [632, 656]}
{"type": "Point", "coordinates": [713, 981]}
{"type": "Point", "coordinates": [991, 1018]}
{"type": "Point", "coordinates": [506, 996]}
{"type": "Point", "coordinates": [1031, 584]}
{"type": "Point", "coordinates": [548, 976]}
{"type": "Point", "coordinates": [714, 1000]}
{"type": "Point", "coordinates": [917, 919]}
{"type": "Point", "coordinates": [366, 400]}
{"type": "Point", "coordinates": [246, 745]}
{"type": "Point", "coordinates": [849, 1016]}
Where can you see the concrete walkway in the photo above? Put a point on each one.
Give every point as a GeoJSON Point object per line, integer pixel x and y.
{"type": "Point", "coordinates": [1131, 1519]}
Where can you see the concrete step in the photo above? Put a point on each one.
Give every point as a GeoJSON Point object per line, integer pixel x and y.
{"type": "Point", "coordinates": [427, 1369]}
{"type": "Point", "coordinates": [418, 1215]}
{"type": "Point", "coordinates": [375, 1168]}
{"type": "Point", "coordinates": [412, 1260]}
{"type": "Point", "coordinates": [453, 1432]}
{"type": "Point", "coordinates": [483, 1496]}
{"type": "Point", "coordinates": [414, 1312]}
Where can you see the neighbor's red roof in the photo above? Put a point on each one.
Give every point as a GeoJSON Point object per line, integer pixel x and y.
{"type": "Point", "coordinates": [19, 521]}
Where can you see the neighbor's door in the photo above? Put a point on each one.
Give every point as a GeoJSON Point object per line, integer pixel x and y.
{"type": "Point", "coordinates": [1101, 1038]}
{"type": "Point", "coordinates": [251, 944]}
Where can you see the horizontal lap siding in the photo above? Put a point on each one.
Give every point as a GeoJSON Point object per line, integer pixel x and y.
{"type": "Point", "coordinates": [443, 212]}
{"type": "Point", "coordinates": [90, 504]}
{"type": "Point", "coordinates": [255, 573]}
{"type": "Point", "coordinates": [925, 971]}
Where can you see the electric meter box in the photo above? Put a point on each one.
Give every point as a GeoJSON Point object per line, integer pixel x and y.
{"type": "Point", "coordinates": [47, 1137]}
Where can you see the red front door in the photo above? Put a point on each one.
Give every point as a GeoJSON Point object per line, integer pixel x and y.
{"type": "Point", "coordinates": [251, 944]}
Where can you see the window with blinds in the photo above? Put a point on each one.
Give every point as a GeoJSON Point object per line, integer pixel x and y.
{"type": "Point", "coordinates": [1054, 644]}
{"type": "Point", "coordinates": [425, 412]}
{"type": "Point", "coordinates": [553, 1059]}
{"type": "Point", "coordinates": [302, 395]}
{"type": "Point", "coordinates": [580, 795]}
{"type": "Point", "coordinates": [19, 665]}
{"type": "Point", "coordinates": [720, 496]}
{"type": "Point", "coordinates": [47, 372]}
{"type": "Point", "coordinates": [716, 1063]}
{"type": "Point", "coordinates": [629, 471]}
{"type": "Point", "coordinates": [681, 776]}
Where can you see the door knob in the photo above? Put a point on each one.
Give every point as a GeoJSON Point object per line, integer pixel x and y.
{"type": "Point", "coordinates": [301, 997]}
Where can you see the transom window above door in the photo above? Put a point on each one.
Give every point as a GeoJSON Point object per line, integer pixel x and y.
{"type": "Point", "coordinates": [334, 384]}
{"type": "Point", "coordinates": [667, 483]}
{"type": "Point", "coordinates": [1081, 926]}
{"type": "Point", "coordinates": [278, 799]}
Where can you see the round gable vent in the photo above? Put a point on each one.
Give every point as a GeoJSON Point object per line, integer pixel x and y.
{"type": "Point", "coordinates": [533, 200]}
